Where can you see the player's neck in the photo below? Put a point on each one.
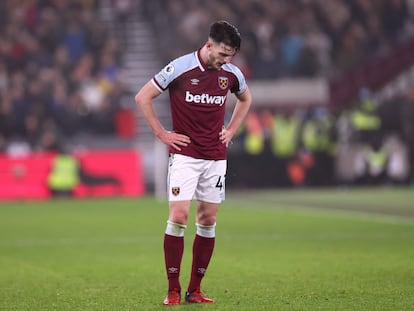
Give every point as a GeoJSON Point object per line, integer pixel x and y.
{"type": "Point", "coordinates": [204, 56]}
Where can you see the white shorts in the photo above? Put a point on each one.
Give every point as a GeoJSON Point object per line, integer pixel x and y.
{"type": "Point", "coordinates": [190, 178]}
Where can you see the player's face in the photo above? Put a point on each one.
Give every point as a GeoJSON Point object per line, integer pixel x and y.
{"type": "Point", "coordinates": [219, 54]}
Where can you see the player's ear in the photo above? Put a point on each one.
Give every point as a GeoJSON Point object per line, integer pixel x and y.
{"type": "Point", "coordinates": [209, 44]}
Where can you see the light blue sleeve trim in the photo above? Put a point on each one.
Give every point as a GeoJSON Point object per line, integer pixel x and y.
{"type": "Point", "coordinates": [175, 69]}
{"type": "Point", "coordinates": [240, 77]}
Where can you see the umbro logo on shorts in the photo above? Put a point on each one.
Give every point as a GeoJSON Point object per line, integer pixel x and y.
{"type": "Point", "coordinates": [175, 190]}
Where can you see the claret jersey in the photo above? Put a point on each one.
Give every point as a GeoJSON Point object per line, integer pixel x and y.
{"type": "Point", "coordinates": [198, 97]}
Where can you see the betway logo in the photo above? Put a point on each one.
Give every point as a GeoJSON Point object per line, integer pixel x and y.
{"type": "Point", "coordinates": [204, 99]}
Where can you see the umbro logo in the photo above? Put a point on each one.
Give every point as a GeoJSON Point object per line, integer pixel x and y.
{"type": "Point", "coordinates": [173, 270]}
{"type": "Point", "coordinates": [194, 81]}
{"type": "Point", "coordinates": [201, 271]}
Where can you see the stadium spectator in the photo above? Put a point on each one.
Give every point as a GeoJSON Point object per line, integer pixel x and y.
{"type": "Point", "coordinates": [285, 144]}
{"type": "Point", "coordinates": [397, 115]}
{"type": "Point", "coordinates": [123, 10]}
{"type": "Point", "coordinates": [323, 30]}
{"type": "Point", "coordinates": [292, 46]}
{"type": "Point", "coordinates": [394, 15]}
{"type": "Point", "coordinates": [318, 145]}
{"type": "Point", "coordinates": [74, 41]}
{"type": "Point", "coordinates": [49, 50]}
{"type": "Point", "coordinates": [64, 174]}
{"type": "Point", "coordinates": [408, 130]}
{"type": "Point", "coordinates": [59, 61]}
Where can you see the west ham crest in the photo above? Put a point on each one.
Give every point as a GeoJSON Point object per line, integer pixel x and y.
{"type": "Point", "coordinates": [175, 190]}
{"type": "Point", "coordinates": [223, 82]}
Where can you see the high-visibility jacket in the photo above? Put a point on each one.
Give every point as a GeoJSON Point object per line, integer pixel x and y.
{"type": "Point", "coordinates": [377, 160]}
{"type": "Point", "coordinates": [64, 175]}
{"type": "Point", "coordinates": [316, 135]}
{"type": "Point", "coordinates": [254, 140]}
{"type": "Point", "coordinates": [365, 120]}
{"type": "Point", "coordinates": [254, 143]}
{"type": "Point", "coordinates": [285, 135]}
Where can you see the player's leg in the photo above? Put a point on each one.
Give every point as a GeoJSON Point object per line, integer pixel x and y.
{"type": "Point", "coordinates": [174, 241]}
{"type": "Point", "coordinates": [210, 193]}
{"type": "Point", "coordinates": [203, 248]}
{"type": "Point", "coordinates": [182, 181]}
{"type": "Point", "coordinates": [174, 248]}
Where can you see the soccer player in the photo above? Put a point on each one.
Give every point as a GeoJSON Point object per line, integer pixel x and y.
{"type": "Point", "coordinates": [198, 85]}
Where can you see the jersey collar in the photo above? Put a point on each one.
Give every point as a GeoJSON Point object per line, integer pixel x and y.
{"type": "Point", "coordinates": [200, 62]}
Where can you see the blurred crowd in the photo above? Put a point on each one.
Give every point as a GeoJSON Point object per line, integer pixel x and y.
{"type": "Point", "coordinates": [60, 73]}
{"type": "Point", "coordinates": [369, 143]}
{"type": "Point", "coordinates": [288, 37]}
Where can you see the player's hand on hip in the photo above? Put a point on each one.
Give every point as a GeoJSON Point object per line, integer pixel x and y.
{"type": "Point", "coordinates": [225, 136]}
{"type": "Point", "coordinates": [174, 140]}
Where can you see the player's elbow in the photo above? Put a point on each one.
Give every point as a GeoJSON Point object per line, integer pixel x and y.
{"type": "Point", "coordinates": [139, 99]}
{"type": "Point", "coordinates": [146, 95]}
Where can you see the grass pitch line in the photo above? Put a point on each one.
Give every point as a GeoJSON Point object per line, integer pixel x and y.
{"type": "Point", "coordinates": [361, 214]}
{"type": "Point", "coordinates": [331, 236]}
{"type": "Point", "coordinates": [77, 241]}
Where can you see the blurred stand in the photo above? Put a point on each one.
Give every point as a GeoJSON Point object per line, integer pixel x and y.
{"type": "Point", "coordinates": [69, 71]}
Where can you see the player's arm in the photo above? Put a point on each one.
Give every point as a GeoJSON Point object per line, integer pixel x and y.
{"type": "Point", "coordinates": [244, 100]}
{"type": "Point", "coordinates": [144, 100]}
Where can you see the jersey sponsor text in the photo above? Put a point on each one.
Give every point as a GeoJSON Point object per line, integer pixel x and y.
{"type": "Point", "coordinates": [204, 98]}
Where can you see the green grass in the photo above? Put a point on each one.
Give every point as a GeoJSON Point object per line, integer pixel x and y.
{"type": "Point", "coordinates": [344, 249]}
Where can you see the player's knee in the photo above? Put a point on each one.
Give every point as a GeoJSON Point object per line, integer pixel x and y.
{"type": "Point", "coordinates": [204, 218]}
{"type": "Point", "coordinates": [179, 212]}
{"type": "Point", "coordinates": [175, 229]}
{"type": "Point", "coordinates": [207, 231]}
{"type": "Point", "coordinates": [178, 216]}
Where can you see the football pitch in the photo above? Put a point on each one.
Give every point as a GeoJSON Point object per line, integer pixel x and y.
{"type": "Point", "coordinates": [339, 249]}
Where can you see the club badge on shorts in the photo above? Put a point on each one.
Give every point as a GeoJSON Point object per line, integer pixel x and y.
{"type": "Point", "coordinates": [175, 190]}
{"type": "Point", "coordinates": [223, 82]}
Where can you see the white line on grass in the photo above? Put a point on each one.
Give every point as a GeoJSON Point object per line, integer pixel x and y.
{"type": "Point", "coordinates": [331, 212]}
{"type": "Point", "coordinates": [330, 236]}
{"type": "Point", "coordinates": [78, 241]}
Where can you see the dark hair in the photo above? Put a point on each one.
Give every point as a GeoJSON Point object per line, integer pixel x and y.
{"type": "Point", "coordinates": [224, 32]}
